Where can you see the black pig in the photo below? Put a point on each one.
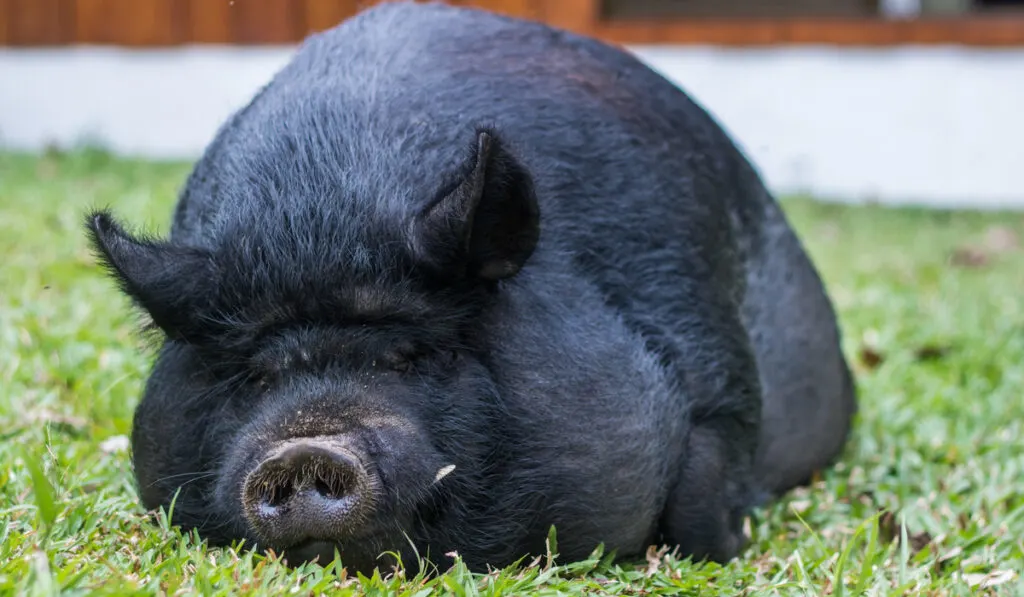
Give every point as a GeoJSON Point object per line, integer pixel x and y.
{"type": "Point", "coordinates": [452, 278]}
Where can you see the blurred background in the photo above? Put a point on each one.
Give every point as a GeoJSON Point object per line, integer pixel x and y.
{"type": "Point", "coordinates": [894, 101]}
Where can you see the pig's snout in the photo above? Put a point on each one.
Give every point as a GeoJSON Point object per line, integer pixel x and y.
{"type": "Point", "coordinates": [310, 489]}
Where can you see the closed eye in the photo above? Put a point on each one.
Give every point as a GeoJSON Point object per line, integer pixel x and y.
{"type": "Point", "coordinates": [400, 360]}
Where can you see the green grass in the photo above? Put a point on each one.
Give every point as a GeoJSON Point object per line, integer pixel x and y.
{"type": "Point", "coordinates": [928, 499]}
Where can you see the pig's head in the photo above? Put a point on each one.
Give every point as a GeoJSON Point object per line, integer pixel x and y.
{"type": "Point", "coordinates": [323, 384]}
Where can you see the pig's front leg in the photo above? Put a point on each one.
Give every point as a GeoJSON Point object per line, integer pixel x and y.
{"type": "Point", "coordinates": [714, 487]}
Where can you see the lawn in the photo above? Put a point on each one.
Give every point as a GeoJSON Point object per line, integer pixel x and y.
{"type": "Point", "coordinates": [928, 497]}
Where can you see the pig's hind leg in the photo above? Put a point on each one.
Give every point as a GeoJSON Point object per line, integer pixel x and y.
{"type": "Point", "coordinates": [803, 395]}
{"type": "Point", "coordinates": [809, 393]}
{"type": "Point", "coordinates": [713, 487]}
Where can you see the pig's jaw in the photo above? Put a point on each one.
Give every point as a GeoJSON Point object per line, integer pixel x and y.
{"type": "Point", "coordinates": [320, 551]}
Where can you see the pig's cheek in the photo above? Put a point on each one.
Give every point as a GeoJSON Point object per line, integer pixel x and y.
{"type": "Point", "coordinates": [236, 461]}
{"type": "Point", "coordinates": [405, 459]}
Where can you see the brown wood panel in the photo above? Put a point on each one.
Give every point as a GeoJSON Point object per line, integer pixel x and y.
{"type": "Point", "coordinates": [39, 22]}
{"type": "Point", "coordinates": [5, 7]}
{"type": "Point", "coordinates": [267, 21]}
{"type": "Point", "coordinates": [209, 21]}
{"type": "Point", "coordinates": [974, 31]}
{"type": "Point", "coordinates": [995, 31]}
{"type": "Point", "coordinates": [170, 22]}
{"type": "Point", "coordinates": [527, 9]}
{"type": "Point", "coordinates": [130, 22]}
{"type": "Point", "coordinates": [584, 16]}
{"type": "Point", "coordinates": [325, 14]}
{"type": "Point", "coordinates": [683, 9]}
{"type": "Point", "coordinates": [575, 15]}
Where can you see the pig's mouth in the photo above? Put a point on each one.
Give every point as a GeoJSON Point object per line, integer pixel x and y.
{"type": "Point", "coordinates": [355, 556]}
{"type": "Point", "coordinates": [313, 550]}
{"type": "Point", "coordinates": [323, 552]}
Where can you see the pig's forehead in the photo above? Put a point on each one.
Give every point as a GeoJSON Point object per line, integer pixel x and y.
{"type": "Point", "coordinates": [337, 266]}
{"type": "Point", "coordinates": [350, 202]}
{"type": "Point", "coordinates": [333, 291]}
{"type": "Point", "coordinates": [316, 254]}
{"type": "Point", "coordinates": [314, 188]}
{"type": "Point", "coordinates": [349, 225]}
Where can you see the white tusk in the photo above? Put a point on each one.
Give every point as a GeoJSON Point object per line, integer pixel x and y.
{"type": "Point", "coordinates": [444, 472]}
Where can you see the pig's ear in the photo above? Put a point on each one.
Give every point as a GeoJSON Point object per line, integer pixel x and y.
{"type": "Point", "coordinates": [165, 280]}
{"type": "Point", "coordinates": [489, 222]}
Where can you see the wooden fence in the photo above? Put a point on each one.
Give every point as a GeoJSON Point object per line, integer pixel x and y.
{"type": "Point", "coordinates": [174, 22]}
{"type": "Point", "coordinates": [154, 23]}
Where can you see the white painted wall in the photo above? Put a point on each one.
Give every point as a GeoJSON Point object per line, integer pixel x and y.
{"type": "Point", "coordinates": [939, 126]}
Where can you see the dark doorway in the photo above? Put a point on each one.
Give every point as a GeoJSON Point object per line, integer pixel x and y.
{"type": "Point", "coordinates": [618, 9]}
{"type": "Point", "coordinates": [999, 4]}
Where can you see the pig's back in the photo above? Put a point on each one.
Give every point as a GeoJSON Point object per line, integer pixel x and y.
{"type": "Point", "coordinates": [376, 109]}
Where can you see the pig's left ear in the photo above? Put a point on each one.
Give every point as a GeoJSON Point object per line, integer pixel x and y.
{"type": "Point", "coordinates": [167, 281]}
{"type": "Point", "coordinates": [487, 226]}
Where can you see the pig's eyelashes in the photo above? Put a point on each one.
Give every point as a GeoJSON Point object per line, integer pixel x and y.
{"type": "Point", "coordinates": [265, 373]}
{"type": "Point", "coordinates": [263, 382]}
{"type": "Point", "coordinates": [396, 361]}
{"type": "Point", "coordinates": [405, 362]}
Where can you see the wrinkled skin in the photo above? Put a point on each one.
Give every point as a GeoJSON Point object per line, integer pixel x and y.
{"type": "Point", "coordinates": [498, 277]}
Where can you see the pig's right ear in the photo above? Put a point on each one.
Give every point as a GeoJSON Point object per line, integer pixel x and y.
{"type": "Point", "coordinates": [165, 280]}
{"type": "Point", "coordinates": [487, 224]}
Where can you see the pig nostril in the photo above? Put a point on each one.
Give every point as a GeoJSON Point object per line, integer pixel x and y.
{"type": "Point", "coordinates": [273, 492]}
{"type": "Point", "coordinates": [331, 486]}
{"type": "Point", "coordinates": [279, 493]}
